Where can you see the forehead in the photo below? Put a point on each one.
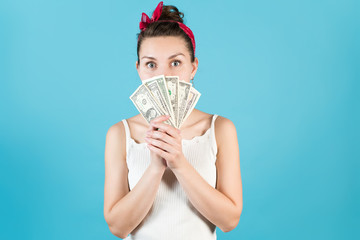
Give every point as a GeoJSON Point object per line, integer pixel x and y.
{"type": "Point", "coordinates": [163, 46]}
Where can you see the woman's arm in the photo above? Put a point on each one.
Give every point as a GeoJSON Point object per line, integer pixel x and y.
{"type": "Point", "coordinates": [221, 206]}
{"type": "Point", "coordinates": [125, 209]}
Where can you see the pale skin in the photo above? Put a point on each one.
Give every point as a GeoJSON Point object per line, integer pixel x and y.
{"type": "Point", "coordinates": [124, 209]}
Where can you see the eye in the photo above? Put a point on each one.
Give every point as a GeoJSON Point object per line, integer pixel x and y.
{"type": "Point", "coordinates": [175, 63]}
{"type": "Point", "coordinates": [150, 64]}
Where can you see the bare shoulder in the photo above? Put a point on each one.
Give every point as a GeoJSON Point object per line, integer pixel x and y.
{"type": "Point", "coordinates": [225, 131]}
{"type": "Point", "coordinates": [224, 123]}
{"type": "Point", "coordinates": [115, 138]}
{"type": "Point", "coordinates": [116, 130]}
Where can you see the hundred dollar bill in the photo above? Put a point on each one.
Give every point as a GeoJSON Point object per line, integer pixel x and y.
{"type": "Point", "coordinates": [157, 87]}
{"type": "Point", "coordinates": [193, 98]}
{"type": "Point", "coordinates": [146, 104]}
{"type": "Point", "coordinates": [172, 84]}
{"type": "Point", "coordinates": [184, 89]}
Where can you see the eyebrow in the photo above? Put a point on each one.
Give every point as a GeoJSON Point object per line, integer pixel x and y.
{"type": "Point", "coordinates": [172, 56]}
{"type": "Point", "coordinates": [175, 55]}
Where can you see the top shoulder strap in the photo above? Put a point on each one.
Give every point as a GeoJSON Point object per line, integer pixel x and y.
{"type": "Point", "coordinates": [127, 134]}
{"type": "Point", "coordinates": [213, 139]}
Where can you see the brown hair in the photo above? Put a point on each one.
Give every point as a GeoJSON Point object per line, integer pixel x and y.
{"type": "Point", "coordinates": [162, 29]}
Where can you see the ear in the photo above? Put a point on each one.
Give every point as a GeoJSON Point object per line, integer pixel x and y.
{"type": "Point", "coordinates": [195, 65]}
{"type": "Point", "coordinates": [137, 67]}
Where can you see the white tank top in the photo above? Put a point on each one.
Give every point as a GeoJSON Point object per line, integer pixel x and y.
{"type": "Point", "coordinates": [172, 216]}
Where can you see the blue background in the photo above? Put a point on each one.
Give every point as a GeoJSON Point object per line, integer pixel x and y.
{"type": "Point", "coordinates": [285, 72]}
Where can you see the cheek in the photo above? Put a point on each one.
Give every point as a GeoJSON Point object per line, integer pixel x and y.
{"type": "Point", "coordinates": [185, 74]}
{"type": "Point", "coordinates": [143, 74]}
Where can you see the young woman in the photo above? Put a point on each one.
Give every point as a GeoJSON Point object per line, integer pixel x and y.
{"type": "Point", "coordinates": [168, 183]}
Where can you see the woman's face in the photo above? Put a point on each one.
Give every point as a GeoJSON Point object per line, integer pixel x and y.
{"type": "Point", "coordinates": [167, 56]}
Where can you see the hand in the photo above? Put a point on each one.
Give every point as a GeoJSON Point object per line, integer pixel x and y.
{"type": "Point", "coordinates": [166, 143]}
{"type": "Point", "coordinates": [156, 160]}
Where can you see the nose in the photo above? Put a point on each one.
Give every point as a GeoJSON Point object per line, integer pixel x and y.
{"type": "Point", "coordinates": [165, 70]}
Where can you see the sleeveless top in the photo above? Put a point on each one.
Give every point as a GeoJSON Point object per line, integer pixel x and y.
{"type": "Point", "coordinates": [172, 216]}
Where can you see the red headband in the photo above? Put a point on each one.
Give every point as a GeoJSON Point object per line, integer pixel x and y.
{"type": "Point", "coordinates": [145, 21]}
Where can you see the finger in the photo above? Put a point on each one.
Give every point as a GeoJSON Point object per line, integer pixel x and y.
{"type": "Point", "coordinates": [163, 137]}
{"type": "Point", "coordinates": [160, 144]}
{"type": "Point", "coordinates": [160, 118]}
{"type": "Point", "coordinates": [157, 119]}
{"type": "Point", "coordinates": [158, 151]}
{"type": "Point", "coordinates": [168, 129]}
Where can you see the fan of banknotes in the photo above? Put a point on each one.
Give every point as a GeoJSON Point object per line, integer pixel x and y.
{"type": "Point", "coordinates": [165, 95]}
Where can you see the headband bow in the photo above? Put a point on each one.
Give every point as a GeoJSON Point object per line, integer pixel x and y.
{"type": "Point", "coordinates": [145, 20]}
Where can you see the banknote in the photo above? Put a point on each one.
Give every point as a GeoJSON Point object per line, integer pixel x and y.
{"type": "Point", "coordinates": [193, 98]}
{"type": "Point", "coordinates": [165, 95]}
{"type": "Point", "coordinates": [159, 89]}
{"type": "Point", "coordinates": [184, 89]}
{"type": "Point", "coordinates": [146, 104]}
{"type": "Point", "coordinates": [172, 84]}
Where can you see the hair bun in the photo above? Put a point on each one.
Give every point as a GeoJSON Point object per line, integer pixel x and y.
{"type": "Point", "coordinates": [170, 12]}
